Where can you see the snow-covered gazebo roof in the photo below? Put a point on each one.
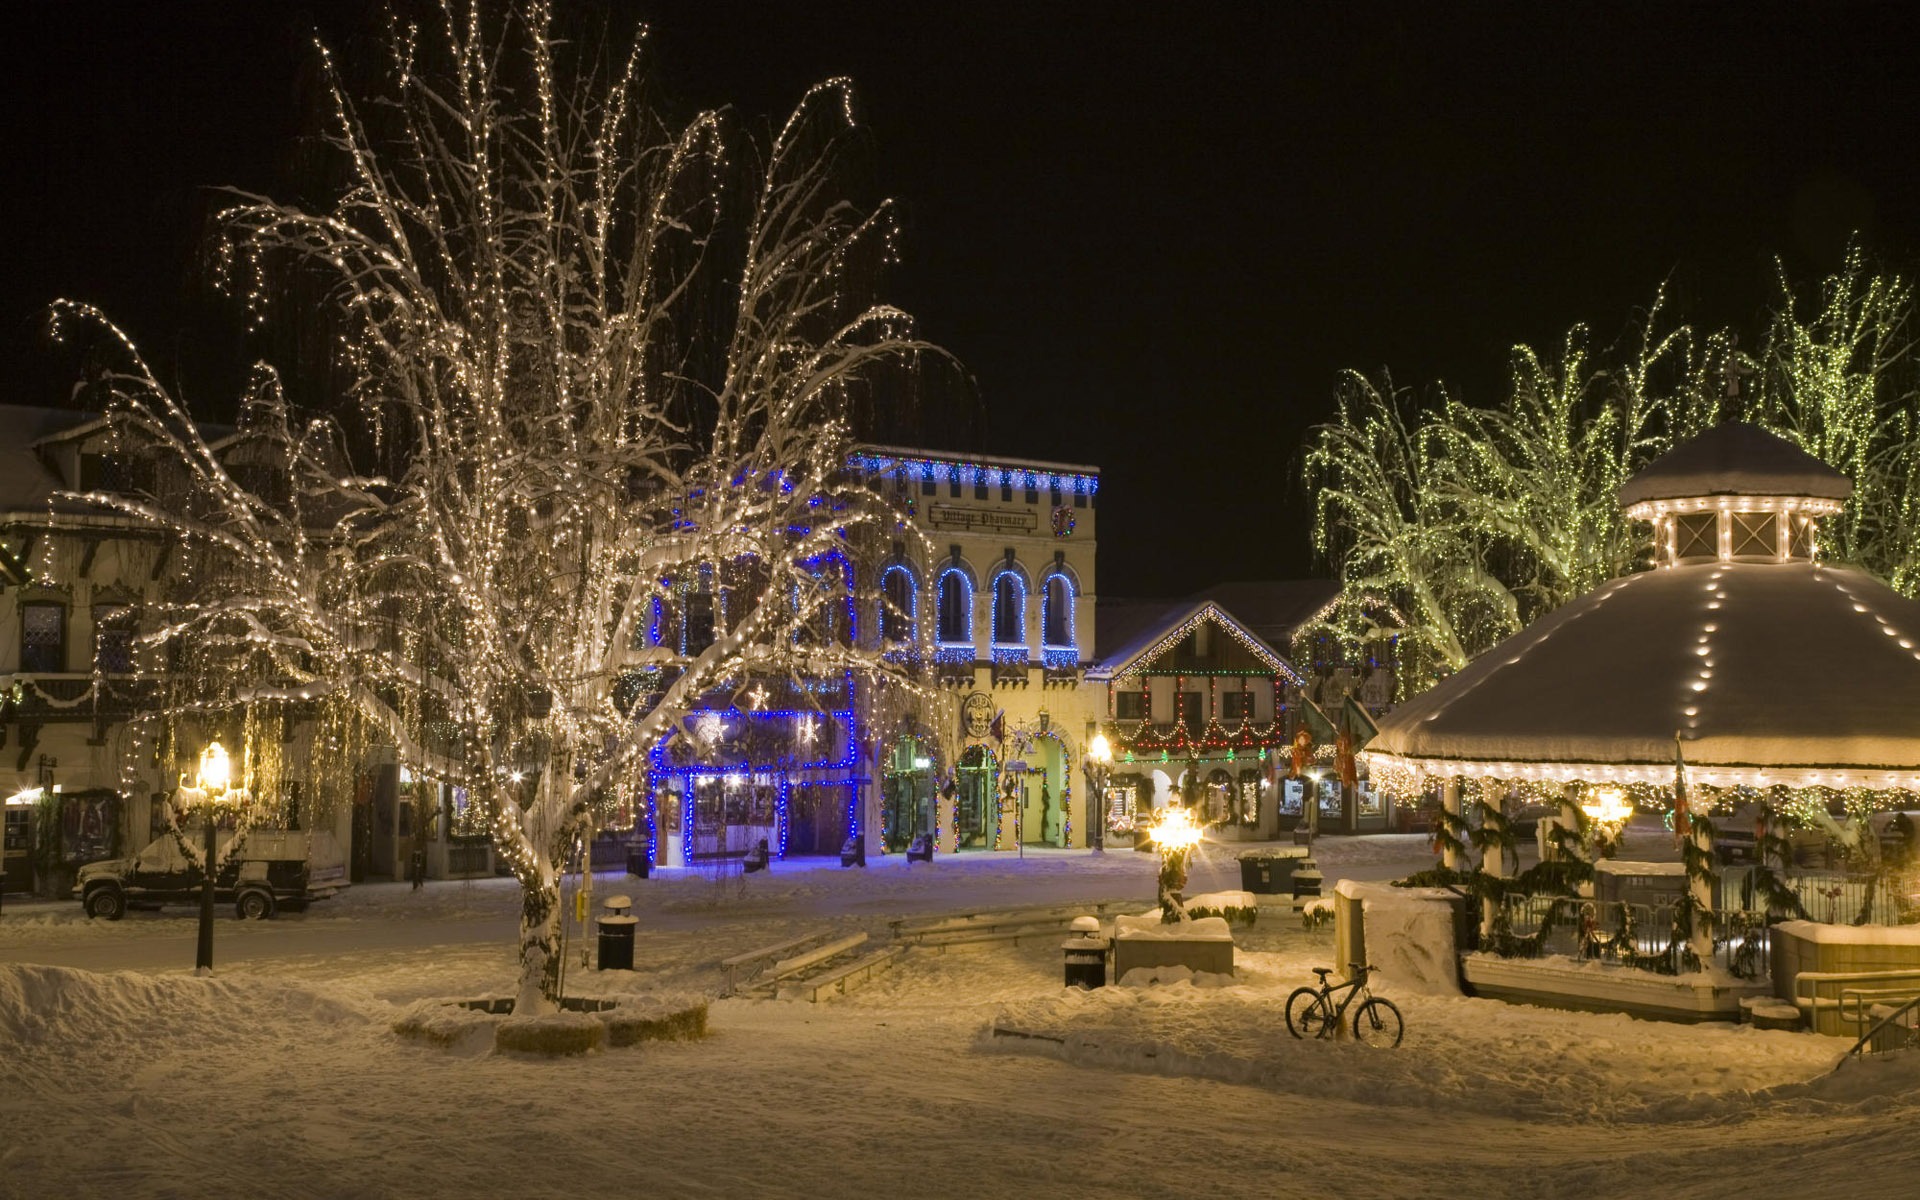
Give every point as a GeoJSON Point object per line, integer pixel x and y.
{"type": "Point", "coordinates": [1770, 666]}
{"type": "Point", "coordinates": [1734, 459]}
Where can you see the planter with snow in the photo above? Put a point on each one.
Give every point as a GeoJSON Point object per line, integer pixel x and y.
{"type": "Point", "coordinates": [1203, 945]}
{"type": "Point", "coordinates": [581, 1026]}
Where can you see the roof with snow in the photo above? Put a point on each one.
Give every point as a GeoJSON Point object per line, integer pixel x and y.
{"type": "Point", "coordinates": [1132, 633]}
{"type": "Point", "coordinates": [27, 483]}
{"type": "Point", "coordinates": [1735, 459]}
{"type": "Point", "coordinates": [1769, 672]}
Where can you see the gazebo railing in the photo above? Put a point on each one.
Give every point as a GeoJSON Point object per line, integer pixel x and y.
{"type": "Point", "coordinates": [1641, 935]}
{"type": "Point", "coordinates": [1835, 897]}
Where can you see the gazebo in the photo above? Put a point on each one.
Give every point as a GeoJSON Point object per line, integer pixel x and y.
{"type": "Point", "coordinates": [1740, 660]}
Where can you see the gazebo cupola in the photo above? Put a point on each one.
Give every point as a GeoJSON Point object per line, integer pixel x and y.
{"type": "Point", "coordinates": [1735, 494]}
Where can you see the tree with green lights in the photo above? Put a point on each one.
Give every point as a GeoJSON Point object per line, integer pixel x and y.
{"type": "Point", "coordinates": [1450, 526]}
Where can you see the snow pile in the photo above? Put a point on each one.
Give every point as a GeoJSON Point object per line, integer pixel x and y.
{"type": "Point", "coordinates": [63, 1006]}
{"type": "Point", "coordinates": [1464, 1055]}
{"type": "Point", "coordinates": [1150, 928]}
{"type": "Point", "coordinates": [1141, 977]}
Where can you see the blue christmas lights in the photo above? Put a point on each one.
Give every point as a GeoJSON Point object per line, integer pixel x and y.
{"type": "Point", "coordinates": [963, 597]}
{"type": "Point", "coordinates": [931, 470]}
{"type": "Point", "coordinates": [1009, 609]}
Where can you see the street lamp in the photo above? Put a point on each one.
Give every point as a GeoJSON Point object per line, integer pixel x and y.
{"type": "Point", "coordinates": [1099, 762]}
{"type": "Point", "coordinates": [213, 783]}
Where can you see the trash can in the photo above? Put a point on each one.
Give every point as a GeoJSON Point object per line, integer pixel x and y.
{"type": "Point", "coordinates": [639, 862]}
{"type": "Point", "coordinates": [853, 851]}
{"type": "Point", "coordinates": [1269, 872]}
{"type": "Point", "coordinates": [1306, 879]}
{"type": "Point", "coordinates": [1086, 955]}
{"type": "Point", "coordinates": [920, 848]}
{"type": "Point", "coordinates": [616, 925]}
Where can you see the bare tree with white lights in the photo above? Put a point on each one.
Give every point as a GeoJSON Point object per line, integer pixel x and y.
{"type": "Point", "coordinates": [601, 373]}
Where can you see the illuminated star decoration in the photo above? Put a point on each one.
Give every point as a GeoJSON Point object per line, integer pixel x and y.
{"type": "Point", "coordinates": [757, 697]}
{"type": "Point", "coordinates": [809, 729]}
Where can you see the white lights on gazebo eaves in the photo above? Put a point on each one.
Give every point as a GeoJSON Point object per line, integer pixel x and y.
{"type": "Point", "coordinates": [1807, 506]}
{"type": "Point", "coordinates": [1382, 765]}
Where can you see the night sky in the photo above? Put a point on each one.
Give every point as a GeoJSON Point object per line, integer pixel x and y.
{"type": "Point", "coordinates": [1154, 234]}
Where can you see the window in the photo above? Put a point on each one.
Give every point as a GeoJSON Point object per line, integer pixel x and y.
{"type": "Point", "coordinates": [953, 486]}
{"type": "Point", "coordinates": [43, 637]}
{"type": "Point", "coordinates": [927, 486]}
{"type": "Point", "coordinates": [1755, 534]}
{"type": "Point", "coordinates": [956, 608]}
{"type": "Point", "coordinates": [1009, 610]}
{"type": "Point", "coordinates": [113, 639]}
{"type": "Point", "coordinates": [980, 488]}
{"type": "Point", "coordinates": [1801, 532]}
{"type": "Point", "coordinates": [1033, 493]}
{"type": "Point", "coordinates": [1696, 536]}
{"type": "Point", "coordinates": [1190, 712]}
{"type": "Point", "coordinates": [1006, 492]}
{"type": "Point", "coordinates": [1236, 706]}
{"type": "Point", "coordinates": [1129, 706]}
{"type": "Point", "coordinates": [897, 605]}
{"type": "Point", "coordinates": [1056, 612]}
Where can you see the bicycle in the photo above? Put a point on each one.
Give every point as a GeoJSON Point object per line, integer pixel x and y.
{"type": "Point", "coordinates": [1313, 1011]}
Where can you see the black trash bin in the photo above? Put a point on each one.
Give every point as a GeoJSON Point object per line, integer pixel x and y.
{"type": "Point", "coordinates": [1086, 955]}
{"type": "Point", "coordinates": [853, 851]}
{"type": "Point", "coordinates": [639, 862]}
{"type": "Point", "coordinates": [616, 925]}
{"type": "Point", "coordinates": [1270, 872]}
{"type": "Point", "coordinates": [1256, 873]}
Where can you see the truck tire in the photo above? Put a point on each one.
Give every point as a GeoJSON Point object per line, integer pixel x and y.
{"type": "Point", "coordinates": [106, 902]}
{"type": "Point", "coordinates": [253, 905]}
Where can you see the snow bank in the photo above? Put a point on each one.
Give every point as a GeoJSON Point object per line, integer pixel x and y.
{"type": "Point", "coordinates": [1150, 928]}
{"type": "Point", "coordinates": [1460, 1055]}
{"type": "Point", "coordinates": [58, 1005]}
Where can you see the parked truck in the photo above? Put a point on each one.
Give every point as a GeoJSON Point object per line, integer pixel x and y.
{"type": "Point", "coordinates": [276, 870]}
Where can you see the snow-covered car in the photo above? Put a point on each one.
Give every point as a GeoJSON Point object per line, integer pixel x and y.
{"type": "Point", "coordinates": [274, 870]}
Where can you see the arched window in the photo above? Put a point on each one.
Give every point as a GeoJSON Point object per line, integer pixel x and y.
{"type": "Point", "coordinates": [1009, 609]}
{"type": "Point", "coordinates": [956, 608]}
{"type": "Point", "coordinates": [1056, 612]}
{"type": "Point", "coordinates": [899, 604]}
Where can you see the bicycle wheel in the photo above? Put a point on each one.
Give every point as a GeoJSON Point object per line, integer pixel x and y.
{"type": "Point", "coordinates": [1307, 1014]}
{"type": "Point", "coordinates": [1378, 1023]}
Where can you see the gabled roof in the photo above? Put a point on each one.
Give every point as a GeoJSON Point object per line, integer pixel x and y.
{"type": "Point", "coordinates": [26, 482]}
{"type": "Point", "coordinates": [1276, 609]}
{"type": "Point", "coordinates": [1735, 459]}
{"type": "Point", "coordinates": [1134, 632]}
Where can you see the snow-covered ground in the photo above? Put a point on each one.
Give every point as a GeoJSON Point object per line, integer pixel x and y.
{"type": "Point", "coordinates": [122, 1075]}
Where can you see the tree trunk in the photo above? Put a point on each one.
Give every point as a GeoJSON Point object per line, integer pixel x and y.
{"type": "Point", "coordinates": [539, 944]}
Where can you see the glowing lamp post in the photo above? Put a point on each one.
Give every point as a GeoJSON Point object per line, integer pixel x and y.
{"type": "Point", "coordinates": [1099, 763]}
{"type": "Point", "coordinates": [213, 783]}
{"type": "Point", "coordinates": [1175, 835]}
